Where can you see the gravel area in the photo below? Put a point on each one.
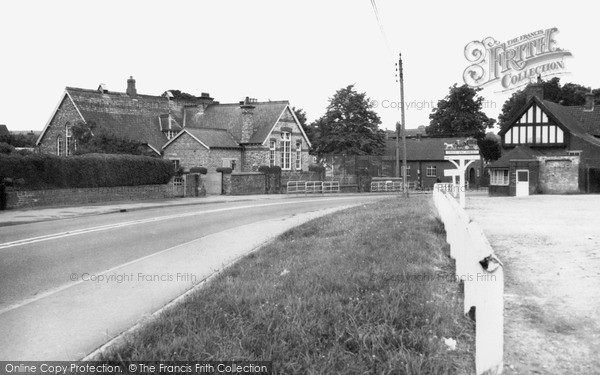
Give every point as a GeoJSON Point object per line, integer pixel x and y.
{"type": "Point", "coordinates": [550, 246]}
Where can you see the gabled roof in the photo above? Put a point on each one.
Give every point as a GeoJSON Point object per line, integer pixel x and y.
{"type": "Point", "coordinates": [229, 117]}
{"type": "Point", "coordinates": [209, 138]}
{"type": "Point", "coordinates": [572, 118]}
{"type": "Point", "coordinates": [518, 153]}
{"type": "Point", "coordinates": [420, 149]}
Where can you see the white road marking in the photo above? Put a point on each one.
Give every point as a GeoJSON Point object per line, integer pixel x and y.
{"type": "Point", "coordinates": [54, 236]}
{"type": "Point", "coordinates": [81, 280]}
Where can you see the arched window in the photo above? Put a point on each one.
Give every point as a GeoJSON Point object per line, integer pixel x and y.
{"type": "Point", "coordinates": [70, 144]}
{"type": "Point", "coordinates": [59, 145]}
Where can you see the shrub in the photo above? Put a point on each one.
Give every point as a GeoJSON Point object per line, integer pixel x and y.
{"type": "Point", "coordinates": [275, 169]}
{"type": "Point", "coordinates": [316, 168]}
{"type": "Point", "coordinates": [5, 148]}
{"type": "Point", "coordinates": [90, 170]}
{"type": "Point", "coordinates": [264, 169]}
{"type": "Point", "coordinates": [200, 170]}
{"type": "Point", "coordinates": [225, 170]}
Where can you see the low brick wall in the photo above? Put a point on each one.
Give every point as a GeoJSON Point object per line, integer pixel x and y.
{"type": "Point", "coordinates": [247, 183]}
{"type": "Point", "coordinates": [61, 197]}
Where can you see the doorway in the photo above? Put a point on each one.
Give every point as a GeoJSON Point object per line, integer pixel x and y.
{"type": "Point", "coordinates": [522, 183]}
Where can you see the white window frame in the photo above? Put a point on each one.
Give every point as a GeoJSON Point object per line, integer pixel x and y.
{"type": "Point", "coordinates": [298, 155]}
{"type": "Point", "coordinates": [431, 171]}
{"type": "Point", "coordinates": [499, 177]}
{"type": "Point", "coordinates": [59, 145]}
{"type": "Point", "coordinates": [178, 181]}
{"type": "Point", "coordinates": [176, 164]}
{"type": "Point", "coordinates": [69, 140]}
{"type": "Point", "coordinates": [171, 134]}
{"type": "Point", "coordinates": [286, 151]}
{"type": "Point", "coordinates": [272, 152]}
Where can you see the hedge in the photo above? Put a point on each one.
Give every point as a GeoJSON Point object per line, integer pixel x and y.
{"type": "Point", "coordinates": [42, 171]}
{"type": "Point", "coordinates": [200, 170]}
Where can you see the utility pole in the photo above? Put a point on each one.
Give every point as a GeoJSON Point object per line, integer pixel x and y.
{"type": "Point", "coordinates": [402, 129]}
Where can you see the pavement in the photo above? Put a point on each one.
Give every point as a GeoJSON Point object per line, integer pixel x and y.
{"type": "Point", "coordinates": [37, 214]}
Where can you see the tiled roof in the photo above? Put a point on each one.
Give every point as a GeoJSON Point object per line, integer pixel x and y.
{"type": "Point", "coordinates": [589, 120]}
{"type": "Point", "coordinates": [229, 117]}
{"type": "Point", "coordinates": [518, 153]}
{"type": "Point", "coordinates": [419, 149]}
{"type": "Point", "coordinates": [214, 138]}
{"type": "Point", "coordinates": [118, 114]}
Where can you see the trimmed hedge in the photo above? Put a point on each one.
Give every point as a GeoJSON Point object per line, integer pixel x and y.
{"type": "Point", "coordinates": [224, 170]}
{"type": "Point", "coordinates": [42, 171]}
{"type": "Point", "coordinates": [200, 170]}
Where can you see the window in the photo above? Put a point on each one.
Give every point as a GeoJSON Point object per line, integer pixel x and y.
{"type": "Point", "coordinates": [175, 164]}
{"type": "Point", "coordinates": [499, 177]}
{"type": "Point", "coordinates": [430, 171]}
{"type": "Point", "coordinates": [171, 134]}
{"type": "Point", "coordinates": [70, 144]}
{"type": "Point", "coordinates": [407, 170]}
{"type": "Point", "coordinates": [178, 181]}
{"type": "Point", "coordinates": [298, 155]}
{"type": "Point", "coordinates": [286, 151]}
{"type": "Point", "coordinates": [229, 163]}
{"type": "Point", "coordinates": [272, 147]}
{"type": "Point", "coordinates": [59, 145]}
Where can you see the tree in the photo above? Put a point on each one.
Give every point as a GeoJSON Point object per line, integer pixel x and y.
{"type": "Point", "coordinates": [178, 94]}
{"type": "Point", "coordinates": [459, 114]}
{"type": "Point", "coordinates": [349, 126]}
{"type": "Point", "coordinates": [489, 147]}
{"type": "Point", "coordinates": [301, 116]}
{"type": "Point", "coordinates": [568, 94]}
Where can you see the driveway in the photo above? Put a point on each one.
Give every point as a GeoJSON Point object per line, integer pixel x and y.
{"type": "Point", "coordinates": [550, 246]}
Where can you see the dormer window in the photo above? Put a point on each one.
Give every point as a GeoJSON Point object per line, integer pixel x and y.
{"type": "Point", "coordinates": [170, 133]}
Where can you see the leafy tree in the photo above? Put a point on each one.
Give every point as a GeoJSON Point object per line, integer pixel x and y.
{"type": "Point", "coordinates": [459, 114]}
{"type": "Point", "coordinates": [90, 141]}
{"type": "Point", "coordinates": [178, 94]}
{"type": "Point", "coordinates": [568, 94]}
{"type": "Point", "coordinates": [489, 148]}
{"type": "Point", "coordinates": [349, 126]}
{"type": "Point", "coordinates": [301, 116]}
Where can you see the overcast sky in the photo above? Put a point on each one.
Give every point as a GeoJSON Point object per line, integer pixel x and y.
{"type": "Point", "coordinates": [302, 51]}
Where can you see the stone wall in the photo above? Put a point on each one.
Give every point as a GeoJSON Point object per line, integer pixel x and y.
{"type": "Point", "coordinates": [66, 113]}
{"type": "Point", "coordinates": [62, 197]}
{"type": "Point", "coordinates": [559, 175]}
{"type": "Point", "coordinates": [190, 153]}
{"type": "Point", "coordinates": [247, 183]}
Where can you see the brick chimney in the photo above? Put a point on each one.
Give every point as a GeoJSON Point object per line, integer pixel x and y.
{"type": "Point", "coordinates": [131, 91]}
{"type": "Point", "coordinates": [589, 102]}
{"type": "Point", "coordinates": [535, 89]}
{"type": "Point", "coordinates": [247, 119]}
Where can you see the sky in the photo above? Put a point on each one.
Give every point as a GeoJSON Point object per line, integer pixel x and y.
{"type": "Point", "coordinates": [302, 50]}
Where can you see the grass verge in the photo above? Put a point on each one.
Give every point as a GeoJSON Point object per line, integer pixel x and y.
{"type": "Point", "coordinates": [368, 290]}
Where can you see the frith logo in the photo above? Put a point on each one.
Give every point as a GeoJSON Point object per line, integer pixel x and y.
{"type": "Point", "coordinates": [516, 62]}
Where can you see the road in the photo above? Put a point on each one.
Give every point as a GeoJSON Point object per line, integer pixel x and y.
{"type": "Point", "coordinates": [69, 286]}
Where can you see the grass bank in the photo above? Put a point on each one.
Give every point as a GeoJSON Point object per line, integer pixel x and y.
{"type": "Point", "coordinates": [365, 291]}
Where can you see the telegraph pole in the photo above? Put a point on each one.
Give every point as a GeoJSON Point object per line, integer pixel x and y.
{"type": "Point", "coordinates": [402, 128]}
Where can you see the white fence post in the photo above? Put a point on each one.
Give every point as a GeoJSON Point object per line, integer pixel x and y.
{"type": "Point", "coordinates": [483, 279]}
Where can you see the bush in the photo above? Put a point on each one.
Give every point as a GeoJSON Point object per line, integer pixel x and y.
{"type": "Point", "coordinates": [316, 168]}
{"type": "Point", "coordinates": [200, 170]}
{"type": "Point", "coordinates": [264, 169]}
{"type": "Point", "coordinates": [275, 169]}
{"type": "Point", "coordinates": [5, 148]}
{"type": "Point", "coordinates": [225, 170]}
{"type": "Point", "coordinates": [91, 170]}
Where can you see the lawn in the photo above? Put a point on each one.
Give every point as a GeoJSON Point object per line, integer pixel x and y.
{"type": "Point", "coordinates": [369, 290]}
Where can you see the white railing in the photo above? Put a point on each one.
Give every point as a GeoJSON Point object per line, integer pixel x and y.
{"type": "Point", "coordinates": [385, 186]}
{"type": "Point", "coordinates": [331, 187]}
{"type": "Point", "coordinates": [483, 277]}
{"type": "Point", "coordinates": [294, 187]}
{"type": "Point", "coordinates": [313, 187]}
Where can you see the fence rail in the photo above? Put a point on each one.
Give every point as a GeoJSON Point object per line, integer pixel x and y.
{"type": "Point", "coordinates": [294, 187]}
{"type": "Point", "coordinates": [482, 275]}
{"type": "Point", "coordinates": [331, 187]}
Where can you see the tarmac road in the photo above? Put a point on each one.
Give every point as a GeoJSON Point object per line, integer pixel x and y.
{"type": "Point", "coordinates": [68, 286]}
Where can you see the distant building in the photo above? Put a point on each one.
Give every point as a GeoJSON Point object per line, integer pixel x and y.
{"type": "Point", "coordinates": [197, 132]}
{"type": "Point", "coordinates": [549, 148]}
{"type": "Point", "coordinates": [425, 159]}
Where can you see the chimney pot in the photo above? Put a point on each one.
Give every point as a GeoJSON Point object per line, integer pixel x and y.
{"type": "Point", "coordinates": [131, 90]}
{"type": "Point", "coordinates": [589, 101]}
